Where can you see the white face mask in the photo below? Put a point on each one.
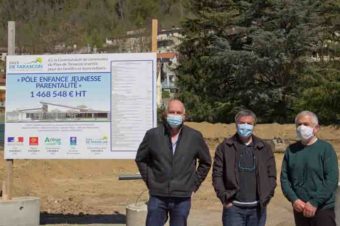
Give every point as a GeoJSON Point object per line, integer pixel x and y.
{"type": "Point", "coordinates": [304, 133]}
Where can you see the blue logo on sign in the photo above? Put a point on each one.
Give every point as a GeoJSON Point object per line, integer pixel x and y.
{"type": "Point", "coordinates": [73, 140]}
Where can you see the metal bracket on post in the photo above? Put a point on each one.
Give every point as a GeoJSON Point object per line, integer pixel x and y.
{"type": "Point", "coordinates": [135, 212]}
{"type": "Point", "coordinates": [130, 177]}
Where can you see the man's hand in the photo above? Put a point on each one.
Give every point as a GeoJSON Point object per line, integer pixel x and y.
{"type": "Point", "coordinates": [309, 210]}
{"type": "Point", "coordinates": [299, 205]}
{"type": "Point", "coordinates": [228, 205]}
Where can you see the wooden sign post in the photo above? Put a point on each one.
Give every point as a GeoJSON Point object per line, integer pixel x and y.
{"type": "Point", "coordinates": [154, 35]}
{"type": "Point", "coordinates": [8, 183]}
{"type": "Point", "coordinates": [154, 48]}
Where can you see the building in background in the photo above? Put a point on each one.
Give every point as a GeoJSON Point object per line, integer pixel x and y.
{"type": "Point", "coordinates": [167, 63]}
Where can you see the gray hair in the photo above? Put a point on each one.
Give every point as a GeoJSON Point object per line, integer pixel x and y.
{"type": "Point", "coordinates": [312, 115]}
{"type": "Point", "coordinates": [171, 100]}
{"type": "Point", "coordinates": [245, 112]}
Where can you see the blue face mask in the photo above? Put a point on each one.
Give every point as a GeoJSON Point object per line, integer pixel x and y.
{"type": "Point", "coordinates": [245, 130]}
{"type": "Point", "coordinates": [174, 121]}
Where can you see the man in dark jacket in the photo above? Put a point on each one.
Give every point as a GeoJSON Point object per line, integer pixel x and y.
{"type": "Point", "coordinates": [244, 174]}
{"type": "Point", "coordinates": [173, 160]}
{"type": "Point", "coordinates": [309, 175]}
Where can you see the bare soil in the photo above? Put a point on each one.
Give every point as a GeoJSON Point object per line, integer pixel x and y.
{"type": "Point", "coordinates": [88, 191]}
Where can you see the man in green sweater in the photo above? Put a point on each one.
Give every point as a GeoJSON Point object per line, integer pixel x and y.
{"type": "Point", "coordinates": [309, 175]}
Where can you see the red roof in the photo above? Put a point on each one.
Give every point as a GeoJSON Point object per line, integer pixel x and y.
{"type": "Point", "coordinates": [166, 55]}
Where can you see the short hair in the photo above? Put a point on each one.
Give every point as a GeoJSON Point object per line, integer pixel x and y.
{"type": "Point", "coordinates": [312, 115]}
{"type": "Point", "coordinates": [171, 100]}
{"type": "Point", "coordinates": [245, 112]}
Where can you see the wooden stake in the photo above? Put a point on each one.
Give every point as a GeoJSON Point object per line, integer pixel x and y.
{"type": "Point", "coordinates": [4, 191]}
{"type": "Point", "coordinates": [154, 48]}
{"type": "Point", "coordinates": [7, 192]}
{"type": "Point", "coordinates": [154, 35]}
{"type": "Point", "coordinates": [11, 38]}
{"type": "Point", "coordinates": [8, 184]}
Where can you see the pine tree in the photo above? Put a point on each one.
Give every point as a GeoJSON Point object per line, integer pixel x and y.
{"type": "Point", "coordinates": [249, 54]}
{"type": "Point", "coordinates": [203, 85]}
{"type": "Point", "coordinates": [321, 93]}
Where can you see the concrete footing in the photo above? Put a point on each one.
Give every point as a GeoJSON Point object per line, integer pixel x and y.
{"type": "Point", "coordinates": [20, 211]}
{"type": "Point", "coordinates": [136, 214]}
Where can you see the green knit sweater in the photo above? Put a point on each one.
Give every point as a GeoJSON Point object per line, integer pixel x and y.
{"type": "Point", "coordinates": [310, 173]}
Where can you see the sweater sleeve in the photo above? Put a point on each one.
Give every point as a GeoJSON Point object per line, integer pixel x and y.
{"type": "Point", "coordinates": [331, 175]}
{"type": "Point", "coordinates": [286, 185]}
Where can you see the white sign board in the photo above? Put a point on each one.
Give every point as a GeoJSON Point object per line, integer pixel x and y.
{"type": "Point", "coordinates": [83, 106]}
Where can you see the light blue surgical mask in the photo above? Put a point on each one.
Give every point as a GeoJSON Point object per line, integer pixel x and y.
{"type": "Point", "coordinates": [174, 121]}
{"type": "Point", "coordinates": [245, 130]}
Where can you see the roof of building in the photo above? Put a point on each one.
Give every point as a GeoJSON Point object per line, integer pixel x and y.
{"type": "Point", "coordinates": [169, 55]}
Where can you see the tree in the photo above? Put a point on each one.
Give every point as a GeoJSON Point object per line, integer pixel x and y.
{"type": "Point", "coordinates": [249, 54]}
{"type": "Point", "coordinates": [202, 89]}
{"type": "Point", "coordinates": [321, 92]}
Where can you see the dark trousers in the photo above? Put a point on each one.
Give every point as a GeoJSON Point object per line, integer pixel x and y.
{"type": "Point", "coordinates": [244, 216]}
{"type": "Point", "coordinates": [323, 217]}
{"type": "Point", "coordinates": [160, 208]}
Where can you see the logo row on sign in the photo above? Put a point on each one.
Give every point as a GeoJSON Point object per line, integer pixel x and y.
{"type": "Point", "coordinates": [34, 141]}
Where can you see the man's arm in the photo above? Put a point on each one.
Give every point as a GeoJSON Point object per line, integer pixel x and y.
{"type": "Point", "coordinates": [285, 180]}
{"type": "Point", "coordinates": [204, 162]}
{"type": "Point", "coordinates": [271, 167]}
{"type": "Point", "coordinates": [217, 175]}
{"type": "Point", "coordinates": [286, 186]}
{"type": "Point", "coordinates": [331, 175]}
{"type": "Point", "coordinates": [142, 157]}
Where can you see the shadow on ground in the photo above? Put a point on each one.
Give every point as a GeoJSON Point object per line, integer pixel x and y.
{"type": "Point", "coordinates": [56, 218]}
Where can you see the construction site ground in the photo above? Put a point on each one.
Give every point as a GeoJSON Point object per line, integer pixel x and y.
{"type": "Point", "coordinates": [88, 192]}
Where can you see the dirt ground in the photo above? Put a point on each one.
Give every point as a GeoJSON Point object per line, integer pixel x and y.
{"type": "Point", "coordinates": [88, 191]}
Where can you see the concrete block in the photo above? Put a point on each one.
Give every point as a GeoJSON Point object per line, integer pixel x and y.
{"type": "Point", "coordinates": [20, 211]}
{"type": "Point", "coordinates": [136, 214]}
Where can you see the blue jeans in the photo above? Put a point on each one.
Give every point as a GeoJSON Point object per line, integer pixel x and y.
{"type": "Point", "coordinates": [159, 208]}
{"type": "Point", "coordinates": [244, 216]}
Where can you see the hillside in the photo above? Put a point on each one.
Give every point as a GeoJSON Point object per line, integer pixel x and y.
{"type": "Point", "coordinates": [43, 25]}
